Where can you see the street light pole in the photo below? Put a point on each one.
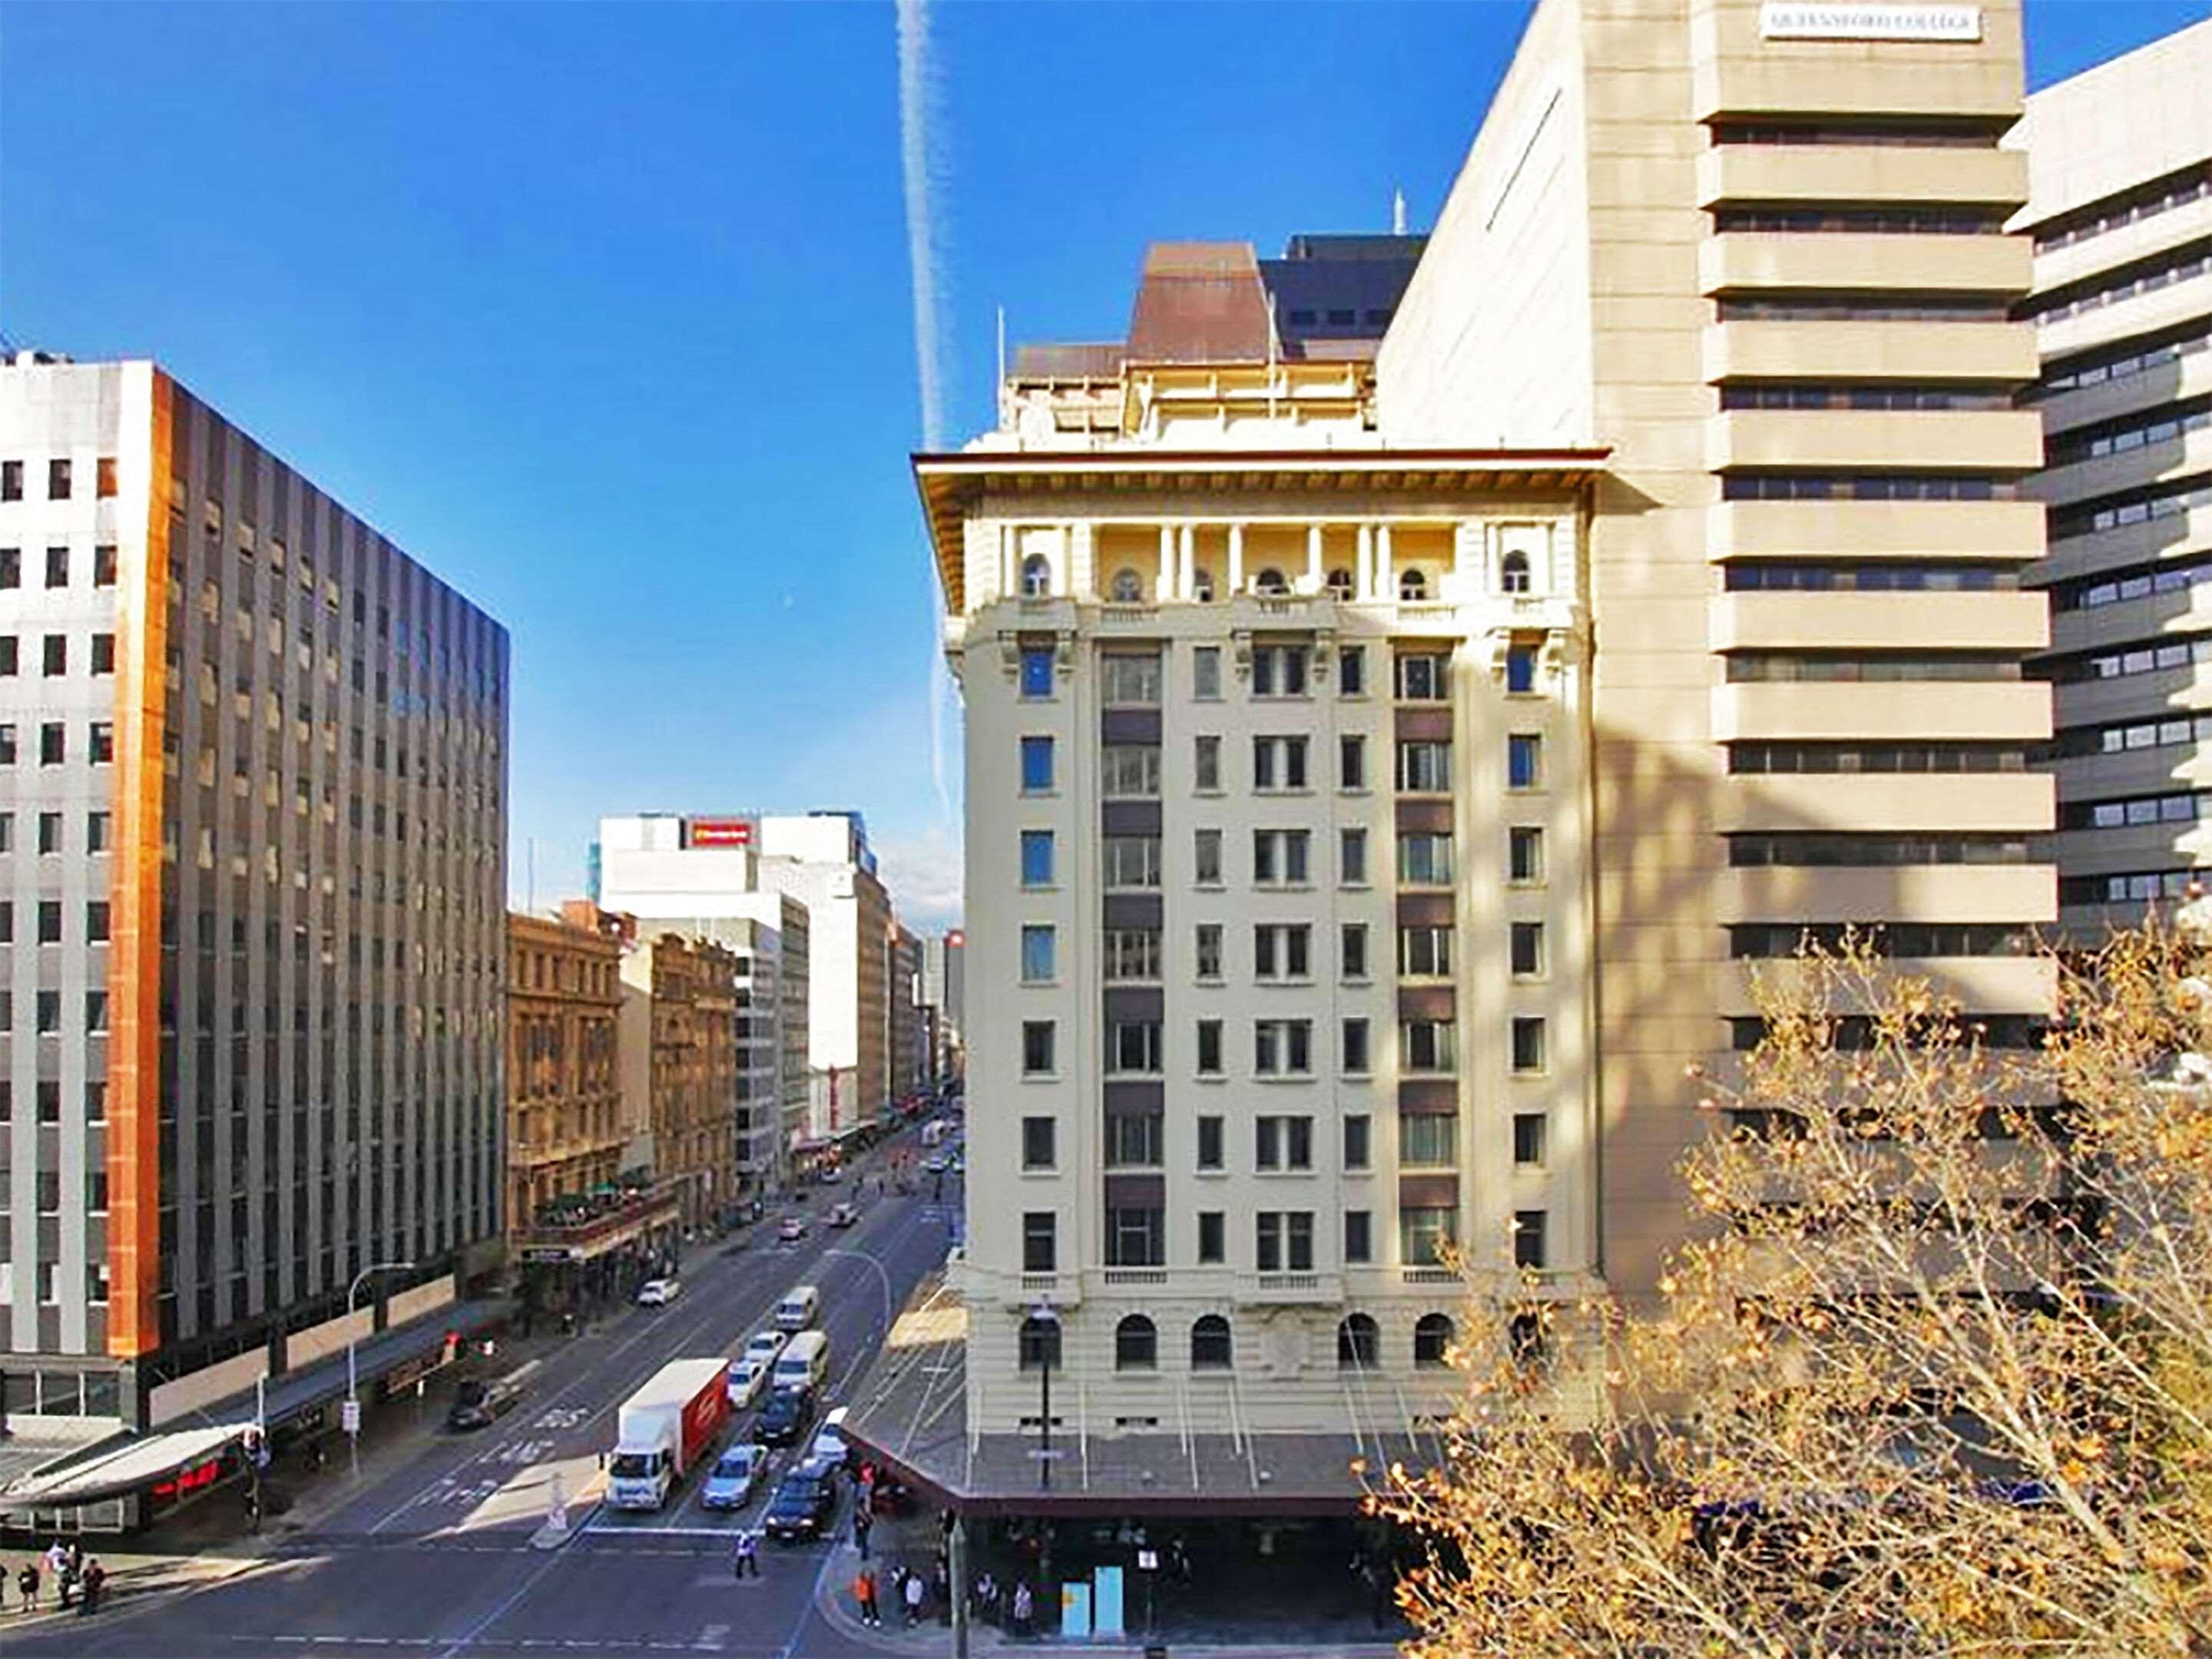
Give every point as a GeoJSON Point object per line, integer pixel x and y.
{"type": "Point", "coordinates": [1046, 1321]}
{"type": "Point", "coordinates": [353, 1381]}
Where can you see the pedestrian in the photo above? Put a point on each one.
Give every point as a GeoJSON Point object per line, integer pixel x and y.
{"type": "Point", "coordinates": [987, 1597]}
{"type": "Point", "coordinates": [95, 1583]}
{"type": "Point", "coordinates": [941, 1588]}
{"type": "Point", "coordinates": [746, 1563]}
{"type": "Point", "coordinates": [864, 1593]}
{"type": "Point", "coordinates": [26, 1586]}
{"type": "Point", "coordinates": [861, 1526]}
{"type": "Point", "coordinates": [1025, 1609]}
{"type": "Point", "coordinates": [915, 1593]}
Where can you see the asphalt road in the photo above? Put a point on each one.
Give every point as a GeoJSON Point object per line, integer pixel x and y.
{"type": "Point", "coordinates": [433, 1555]}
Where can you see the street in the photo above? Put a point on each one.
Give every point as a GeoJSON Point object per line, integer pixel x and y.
{"type": "Point", "coordinates": [434, 1553]}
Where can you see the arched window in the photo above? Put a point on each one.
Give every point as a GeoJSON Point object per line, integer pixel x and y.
{"type": "Point", "coordinates": [1201, 585]}
{"type": "Point", "coordinates": [1210, 1349]}
{"type": "Point", "coordinates": [1270, 581]}
{"type": "Point", "coordinates": [1129, 587]}
{"type": "Point", "coordinates": [1525, 1339]}
{"type": "Point", "coordinates": [1339, 582]}
{"type": "Point", "coordinates": [1036, 576]}
{"type": "Point", "coordinates": [1136, 1344]}
{"type": "Point", "coordinates": [1513, 573]}
{"type": "Point", "coordinates": [1039, 1343]}
{"type": "Point", "coordinates": [1413, 585]}
{"type": "Point", "coordinates": [1356, 1343]}
{"type": "Point", "coordinates": [1432, 1335]}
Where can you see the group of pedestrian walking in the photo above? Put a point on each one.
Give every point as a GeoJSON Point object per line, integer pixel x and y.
{"type": "Point", "coordinates": [79, 1581]}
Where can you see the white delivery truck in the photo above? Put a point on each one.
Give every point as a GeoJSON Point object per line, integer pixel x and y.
{"type": "Point", "coordinates": [663, 1429]}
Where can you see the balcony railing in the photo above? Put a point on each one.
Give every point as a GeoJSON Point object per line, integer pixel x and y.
{"type": "Point", "coordinates": [1289, 1289]}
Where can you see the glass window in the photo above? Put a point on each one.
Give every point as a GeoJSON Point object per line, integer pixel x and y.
{"type": "Point", "coordinates": [1432, 1338]}
{"type": "Point", "coordinates": [1133, 953]}
{"type": "Point", "coordinates": [1036, 765]}
{"type": "Point", "coordinates": [1351, 857]}
{"type": "Point", "coordinates": [1358, 1343]}
{"type": "Point", "coordinates": [1211, 1346]}
{"type": "Point", "coordinates": [1040, 1241]}
{"type": "Point", "coordinates": [1132, 860]}
{"type": "Point", "coordinates": [1130, 680]}
{"type": "Point", "coordinates": [1352, 762]}
{"type": "Point", "coordinates": [1208, 940]}
{"type": "Point", "coordinates": [1209, 1143]}
{"type": "Point", "coordinates": [1521, 669]}
{"type": "Point", "coordinates": [1424, 677]}
{"type": "Point", "coordinates": [57, 567]}
{"type": "Point", "coordinates": [1208, 850]}
{"type": "Point", "coordinates": [1359, 1237]}
{"type": "Point", "coordinates": [1037, 1047]}
{"type": "Point", "coordinates": [1205, 763]}
{"type": "Point", "coordinates": [1281, 1047]}
{"type": "Point", "coordinates": [1357, 1152]}
{"type": "Point", "coordinates": [1529, 1042]}
{"type": "Point", "coordinates": [1038, 953]}
{"type": "Point", "coordinates": [1278, 763]}
{"type": "Point", "coordinates": [1526, 948]}
{"type": "Point", "coordinates": [1209, 1047]}
{"type": "Point", "coordinates": [1529, 1138]}
{"type": "Point", "coordinates": [1428, 1045]}
{"type": "Point", "coordinates": [1425, 767]}
{"type": "Point", "coordinates": [1529, 1239]}
{"type": "Point", "coordinates": [1131, 769]}
{"type": "Point", "coordinates": [1424, 860]}
{"type": "Point", "coordinates": [1036, 857]}
{"type": "Point", "coordinates": [1278, 857]}
{"type": "Point", "coordinates": [1428, 1139]}
{"type": "Point", "coordinates": [1425, 952]}
{"type": "Point", "coordinates": [1135, 1238]}
{"type": "Point", "coordinates": [1212, 1236]}
{"type": "Point", "coordinates": [1358, 1059]}
{"type": "Point", "coordinates": [1037, 670]}
{"type": "Point", "coordinates": [1279, 671]}
{"type": "Point", "coordinates": [1352, 671]}
{"type": "Point", "coordinates": [1524, 761]}
{"type": "Point", "coordinates": [1205, 671]}
{"type": "Point", "coordinates": [1351, 950]}
{"type": "Point", "coordinates": [1036, 576]}
{"type": "Point", "coordinates": [1133, 1140]}
{"type": "Point", "coordinates": [1422, 1234]}
{"type": "Point", "coordinates": [1136, 1344]}
{"type": "Point", "coordinates": [1040, 1148]}
{"type": "Point", "coordinates": [1524, 846]}
{"type": "Point", "coordinates": [1133, 1046]}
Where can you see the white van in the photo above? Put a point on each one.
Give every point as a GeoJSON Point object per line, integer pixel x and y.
{"type": "Point", "coordinates": [796, 1311]}
{"type": "Point", "coordinates": [805, 1364]}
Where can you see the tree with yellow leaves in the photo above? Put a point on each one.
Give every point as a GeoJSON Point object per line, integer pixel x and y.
{"type": "Point", "coordinates": [1933, 1378]}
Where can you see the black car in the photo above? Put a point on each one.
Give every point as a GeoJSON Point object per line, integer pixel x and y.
{"type": "Point", "coordinates": [800, 1507]}
{"type": "Point", "coordinates": [787, 1416]}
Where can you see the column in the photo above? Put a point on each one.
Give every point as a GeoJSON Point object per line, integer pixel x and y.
{"type": "Point", "coordinates": [1236, 558]}
{"type": "Point", "coordinates": [1186, 563]}
{"type": "Point", "coordinates": [1163, 583]}
{"type": "Point", "coordinates": [1315, 575]}
{"type": "Point", "coordinates": [1386, 575]}
{"type": "Point", "coordinates": [1008, 583]}
{"type": "Point", "coordinates": [1365, 577]}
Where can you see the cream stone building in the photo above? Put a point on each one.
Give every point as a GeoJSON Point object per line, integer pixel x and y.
{"type": "Point", "coordinates": [2119, 208]}
{"type": "Point", "coordinates": [1390, 758]}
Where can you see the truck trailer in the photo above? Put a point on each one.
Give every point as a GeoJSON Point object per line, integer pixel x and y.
{"type": "Point", "coordinates": [663, 1429]}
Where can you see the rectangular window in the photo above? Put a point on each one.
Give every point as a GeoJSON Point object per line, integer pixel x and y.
{"type": "Point", "coordinates": [1209, 1047]}
{"type": "Point", "coordinates": [103, 653]}
{"type": "Point", "coordinates": [1036, 857]}
{"type": "Point", "coordinates": [96, 833]}
{"type": "Point", "coordinates": [53, 744]}
{"type": "Point", "coordinates": [1524, 761]}
{"type": "Point", "coordinates": [57, 567]}
{"type": "Point", "coordinates": [1212, 1232]}
{"type": "Point", "coordinates": [1524, 854]}
{"type": "Point", "coordinates": [1131, 860]}
{"type": "Point", "coordinates": [95, 1011]}
{"type": "Point", "coordinates": [50, 832]}
{"type": "Point", "coordinates": [1424, 860]}
{"type": "Point", "coordinates": [1135, 1238]}
{"type": "Point", "coordinates": [1206, 672]}
{"type": "Point", "coordinates": [11, 480]}
{"type": "Point", "coordinates": [1428, 1045]}
{"type": "Point", "coordinates": [1278, 764]}
{"type": "Point", "coordinates": [1529, 1138]}
{"type": "Point", "coordinates": [58, 481]}
{"type": "Point", "coordinates": [8, 658]}
{"type": "Point", "coordinates": [1209, 1143]}
{"type": "Point", "coordinates": [1282, 1047]}
{"type": "Point", "coordinates": [1358, 1151]}
{"type": "Point", "coordinates": [1037, 1048]}
{"type": "Point", "coordinates": [1424, 677]}
{"type": "Point", "coordinates": [48, 1009]}
{"type": "Point", "coordinates": [1128, 680]}
{"type": "Point", "coordinates": [1130, 770]}
{"type": "Point", "coordinates": [1521, 670]}
{"type": "Point", "coordinates": [1352, 762]}
{"type": "Point", "coordinates": [1036, 766]}
{"type": "Point", "coordinates": [8, 743]}
{"type": "Point", "coordinates": [1133, 953]}
{"type": "Point", "coordinates": [1425, 767]}
{"type": "Point", "coordinates": [104, 476]}
{"type": "Point", "coordinates": [1206, 846]}
{"type": "Point", "coordinates": [1279, 671]}
{"type": "Point", "coordinates": [1526, 948]}
{"type": "Point", "coordinates": [103, 566]}
{"type": "Point", "coordinates": [1428, 1139]}
{"type": "Point", "coordinates": [1359, 1060]}
{"type": "Point", "coordinates": [102, 739]}
{"type": "Point", "coordinates": [11, 567]}
{"type": "Point", "coordinates": [1281, 950]}
{"type": "Point", "coordinates": [1425, 952]}
{"type": "Point", "coordinates": [1529, 1245]}
{"type": "Point", "coordinates": [1040, 1241]}
{"type": "Point", "coordinates": [1423, 1233]}
{"type": "Point", "coordinates": [1038, 953]}
{"type": "Point", "coordinates": [56, 655]}
{"type": "Point", "coordinates": [1040, 1150]}
{"type": "Point", "coordinates": [1208, 943]}
{"type": "Point", "coordinates": [1359, 1237]}
{"type": "Point", "coordinates": [1205, 764]}
{"type": "Point", "coordinates": [1352, 671]}
{"type": "Point", "coordinates": [1037, 670]}
{"type": "Point", "coordinates": [1133, 1140]}
{"type": "Point", "coordinates": [50, 921]}
{"type": "Point", "coordinates": [1527, 1042]}
{"type": "Point", "coordinates": [1133, 1046]}
{"type": "Point", "coordinates": [1352, 951]}
{"type": "Point", "coordinates": [1283, 1241]}
{"type": "Point", "coordinates": [1278, 858]}
{"type": "Point", "coordinates": [1267, 1241]}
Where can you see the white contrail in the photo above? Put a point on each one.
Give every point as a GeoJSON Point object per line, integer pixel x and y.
{"type": "Point", "coordinates": [917, 93]}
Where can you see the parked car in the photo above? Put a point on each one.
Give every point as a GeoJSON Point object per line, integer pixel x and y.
{"type": "Point", "coordinates": [800, 1507]}
{"type": "Point", "coordinates": [659, 1292]}
{"type": "Point", "coordinates": [934, 1165]}
{"type": "Point", "coordinates": [841, 1215]}
{"type": "Point", "coordinates": [831, 1447]}
{"type": "Point", "coordinates": [744, 1381]}
{"type": "Point", "coordinates": [730, 1483]}
{"type": "Point", "coordinates": [791, 1228]}
{"type": "Point", "coordinates": [786, 1417]}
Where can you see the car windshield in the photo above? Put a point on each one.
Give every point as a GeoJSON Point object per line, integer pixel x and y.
{"type": "Point", "coordinates": [635, 1466]}
{"type": "Point", "coordinates": [470, 1393]}
{"type": "Point", "coordinates": [796, 1489]}
{"type": "Point", "coordinates": [734, 1464]}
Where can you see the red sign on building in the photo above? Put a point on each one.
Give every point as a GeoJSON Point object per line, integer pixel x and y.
{"type": "Point", "coordinates": [721, 832]}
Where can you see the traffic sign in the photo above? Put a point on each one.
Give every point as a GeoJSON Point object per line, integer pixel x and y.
{"type": "Point", "coordinates": [350, 1416]}
{"type": "Point", "coordinates": [1043, 1452]}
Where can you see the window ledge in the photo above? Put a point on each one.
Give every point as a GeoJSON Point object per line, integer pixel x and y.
{"type": "Point", "coordinates": [1041, 1174]}
{"type": "Point", "coordinates": [1212, 1174]}
{"type": "Point", "coordinates": [1282, 1077]}
{"type": "Point", "coordinates": [1209, 1076]}
{"type": "Point", "coordinates": [1042, 1077]}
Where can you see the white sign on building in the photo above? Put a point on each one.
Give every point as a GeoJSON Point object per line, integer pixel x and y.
{"type": "Point", "coordinates": [1795, 20]}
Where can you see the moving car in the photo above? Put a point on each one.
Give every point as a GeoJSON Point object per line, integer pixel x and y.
{"type": "Point", "coordinates": [730, 1483]}
{"type": "Point", "coordinates": [797, 1310]}
{"type": "Point", "coordinates": [841, 1215]}
{"type": "Point", "coordinates": [744, 1381]}
{"type": "Point", "coordinates": [659, 1292]}
{"type": "Point", "coordinates": [791, 1228]}
{"type": "Point", "coordinates": [800, 1507]}
{"type": "Point", "coordinates": [831, 1447]}
{"type": "Point", "coordinates": [786, 1417]}
{"type": "Point", "coordinates": [480, 1400]}
{"type": "Point", "coordinates": [765, 1344]}
{"type": "Point", "coordinates": [934, 1165]}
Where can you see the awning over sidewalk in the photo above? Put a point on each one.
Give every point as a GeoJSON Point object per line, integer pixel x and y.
{"type": "Point", "coordinates": [128, 1468]}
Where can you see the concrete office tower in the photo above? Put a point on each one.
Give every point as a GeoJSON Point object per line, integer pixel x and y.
{"type": "Point", "coordinates": [2120, 163]}
{"type": "Point", "coordinates": [252, 832]}
{"type": "Point", "coordinates": [943, 992]}
{"type": "Point", "coordinates": [909, 1031]}
{"type": "Point", "coordinates": [1277, 875]}
{"type": "Point", "coordinates": [1757, 251]}
{"type": "Point", "coordinates": [677, 1057]}
{"type": "Point", "coordinates": [698, 877]}
{"type": "Point", "coordinates": [564, 1130]}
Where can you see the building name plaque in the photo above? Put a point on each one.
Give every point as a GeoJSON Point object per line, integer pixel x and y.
{"type": "Point", "coordinates": [1793, 20]}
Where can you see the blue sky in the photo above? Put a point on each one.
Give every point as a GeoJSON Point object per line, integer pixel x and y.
{"type": "Point", "coordinates": [602, 311]}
